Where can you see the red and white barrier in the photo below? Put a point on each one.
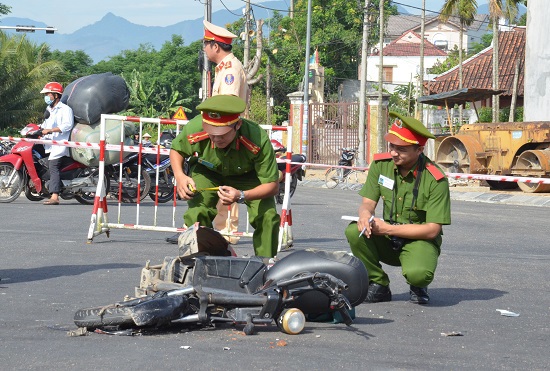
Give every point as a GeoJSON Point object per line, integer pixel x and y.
{"type": "Point", "coordinates": [99, 222]}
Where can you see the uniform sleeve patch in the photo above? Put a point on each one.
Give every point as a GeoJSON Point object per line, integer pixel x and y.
{"type": "Point", "coordinates": [229, 79]}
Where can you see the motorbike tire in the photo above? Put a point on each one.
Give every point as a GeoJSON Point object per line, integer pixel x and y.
{"type": "Point", "coordinates": [18, 182]}
{"type": "Point", "coordinates": [88, 198]}
{"type": "Point", "coordinates": [333, 176]}
{"type": "Point", "coordinates": [101, 316]}
{"type": "Point", "coordinates": [32, 196]}
{"type": "Point", "coordinates": [129, 191]}
{"type": "Point", "coordinates": [166, 190]}
{"type": "Point", "coordinates": [293, 184]}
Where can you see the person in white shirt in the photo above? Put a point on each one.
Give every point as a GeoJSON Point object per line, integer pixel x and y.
{"type": "Point", "coordinates": [57, 126]}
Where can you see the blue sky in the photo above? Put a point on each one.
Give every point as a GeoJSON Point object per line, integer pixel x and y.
{"type": "Point", "coordinates": [69, 15]}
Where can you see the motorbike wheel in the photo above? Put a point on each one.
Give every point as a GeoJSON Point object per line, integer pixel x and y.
{"type": "Point", "coordinates": [10, 193]}
{"type": "Point", "coordinates": [166, 188]}
{"type": "Point", "coordinates": [293, 184]}
{"type": "Point", "coordinates": [333, 176]}
{"type": "Point", "coordinates": [130, 185]}
{"type": "Point", "coordinates": [88, 198]}
{"type": "Point", "coordinates": [98, 317]}
{"type": "Point", "coordinates": [32, 195]}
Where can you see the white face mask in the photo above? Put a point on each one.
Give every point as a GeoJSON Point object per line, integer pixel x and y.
{"type": "Point", "coordinates": [48, 100]}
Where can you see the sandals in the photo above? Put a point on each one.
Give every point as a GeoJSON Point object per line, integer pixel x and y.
{"type": "Point", "coordinates": [51, 202]}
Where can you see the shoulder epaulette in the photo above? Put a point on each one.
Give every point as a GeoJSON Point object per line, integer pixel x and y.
{"type": "Point", "coordinates": [227, 65]}
{"type": "Point", "coordinates": [197, 137]}
{"type": "Point", "coordinates": [437, 174]}
{"type": "Point", "coordinates": [249, 144]}
{"type": "Point", "coordinates": [382, 156]}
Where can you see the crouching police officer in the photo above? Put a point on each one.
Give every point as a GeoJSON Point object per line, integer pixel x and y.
{"type": "Point", "coordinates": [416, 200]}
{"type": "Point", "coordinates": [235, 155]}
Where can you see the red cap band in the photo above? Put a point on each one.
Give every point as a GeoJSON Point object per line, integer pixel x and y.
{"type": "Point", "coordinates": [215, 119]}
{"type": "Point", "coordinates": [211, 36]}
{"type": "Point", "coordinates": [404, 134]}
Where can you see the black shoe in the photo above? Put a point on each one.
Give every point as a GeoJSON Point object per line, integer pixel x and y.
{"type": "Point", "coordinates": [419, 295]}
{"type": "Point", "coordinates": [378, 293]}
{"type": "Point", "coordinates": [173, 239]}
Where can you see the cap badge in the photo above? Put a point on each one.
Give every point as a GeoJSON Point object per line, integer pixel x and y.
{"type": "Point", "coordinates": [398, 123]}
{"type": "Point", "coordinates": [214, 115]}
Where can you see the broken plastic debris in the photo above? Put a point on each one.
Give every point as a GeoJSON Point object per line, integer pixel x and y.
{"type": "Point", "coordinates": [452, 333]}
{"type": "Point", "coordinates": [186, 347]}
{"type": "Point", "coordinates": [507, 313]}
{"type": "Point", "coordinates": [226, 348]}
{"type": "Point", "coordinates": [81, 331]}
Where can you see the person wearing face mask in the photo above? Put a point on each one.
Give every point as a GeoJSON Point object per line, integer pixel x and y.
{"type": "Point", "coordinates": [236, 155]}
{"type": "Point", "coordinates": [416, 204]}
{"type": "Point", "coordinates": [57, 126]}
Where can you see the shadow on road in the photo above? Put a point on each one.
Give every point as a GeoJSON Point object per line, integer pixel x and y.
{"type": "Point", "coordinates": [9, 276]}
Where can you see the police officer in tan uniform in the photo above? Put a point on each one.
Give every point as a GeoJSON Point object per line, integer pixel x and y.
{"type": "Point", "coordinates": [230, 79]}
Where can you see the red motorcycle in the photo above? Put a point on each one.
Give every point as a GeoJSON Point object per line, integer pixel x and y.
{"type": "Point", "coordinates": [297, 171]}
{"type": "Point", "coordinates": [26, 168]}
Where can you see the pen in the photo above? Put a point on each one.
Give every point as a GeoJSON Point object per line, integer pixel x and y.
{"type": "Point", "coordinates": [371, 219]}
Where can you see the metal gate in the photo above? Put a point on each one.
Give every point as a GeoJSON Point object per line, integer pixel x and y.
{"type": "Point", "coordinates": [333, 126]}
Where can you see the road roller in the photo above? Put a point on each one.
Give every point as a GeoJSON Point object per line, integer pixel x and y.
{"type": "Point", "coordinates": [501, 148]}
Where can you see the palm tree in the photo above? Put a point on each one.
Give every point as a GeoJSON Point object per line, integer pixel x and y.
{"type": "Point", "coordinates": [465, 10]}
{"type": "Point", "coordinates": [25, 71]}
{"type": "Point", "coordinates": [507, 9]}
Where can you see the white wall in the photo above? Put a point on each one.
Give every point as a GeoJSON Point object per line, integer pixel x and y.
{"type": "Point", "coordinates": [403, 69]}
{"type": "Point", "coordinates": [537, 62]}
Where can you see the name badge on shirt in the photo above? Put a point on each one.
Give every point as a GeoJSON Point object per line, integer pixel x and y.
{"type": "Point", "coordinates": [384, 181]}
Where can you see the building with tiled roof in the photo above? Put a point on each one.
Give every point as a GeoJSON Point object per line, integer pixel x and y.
{"type": "Point", "coordinates": [402, 60]}
{"type": "Point", "coordinates": [478, 69]}
{"type": "Point", "coordinates": [445, 35]}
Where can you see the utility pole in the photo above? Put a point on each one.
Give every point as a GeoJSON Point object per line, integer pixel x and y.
{"type": "Point", "coordinates": [380, 131]}
{"type": "Point", "coordinates": [363, 89]}
{"type": "Point", "coordinates": [420, 107]}
{"type": "Point", "coordinates": [206, 63]}
{"type": "Point", "coordinates": [246, 35]}
{"type": "Point", "coordinates": [268, 73]}
{"type": "Point", "coordinates": [305, 121]}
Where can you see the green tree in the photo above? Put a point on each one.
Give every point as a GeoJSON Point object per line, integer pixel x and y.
{"type": "Point", "coordinates": [75, 63]}
{"type": "Point", "coordinates": [5, 9]}
{"type": "Point", "coordinates": [24, 72]}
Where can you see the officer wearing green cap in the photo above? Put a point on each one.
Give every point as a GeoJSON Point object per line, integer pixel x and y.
{"type": "Point", "coordinates": [416, 200]}
{"type": "Point", "coordinates": [236, 155]}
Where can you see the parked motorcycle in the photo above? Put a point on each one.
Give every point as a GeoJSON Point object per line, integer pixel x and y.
{"type": "Point", "coordinates": [203, 286]}
{"type": "Point", "coordinates": [166, 176]}
{"type": "Point", "coordinates": [26, 168]}
{"type": "Point", "coordinates": [124, 179]}
{"type": "Point", "coordinates": [297, 171]}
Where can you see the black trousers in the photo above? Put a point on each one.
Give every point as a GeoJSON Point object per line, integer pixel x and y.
{"type": "Point", "coordinates": [55, 166]}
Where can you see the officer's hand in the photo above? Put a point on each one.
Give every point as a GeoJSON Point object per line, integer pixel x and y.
{"type": "Point", "coordinates": [364, 225]}
{"type": "Point", "coordinates": [185, 186]}
{"type": "Point", "coordinates": [379, 227]}
{"type": "Point", "coordinates": [228, 195]}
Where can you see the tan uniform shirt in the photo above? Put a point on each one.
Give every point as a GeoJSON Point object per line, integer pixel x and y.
{"type": "Point", "coordinates": [230, 78]}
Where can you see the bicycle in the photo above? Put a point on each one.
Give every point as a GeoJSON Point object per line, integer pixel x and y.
{"type": "Point", "coordinates": [337, 175]}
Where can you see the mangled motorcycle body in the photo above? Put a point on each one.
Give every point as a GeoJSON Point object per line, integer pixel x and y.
{"type": "Point", "coordinates": [204, 289]}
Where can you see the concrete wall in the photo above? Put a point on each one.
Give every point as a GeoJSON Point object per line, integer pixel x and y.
{"type": "Point", "coordinates": [537, 62]}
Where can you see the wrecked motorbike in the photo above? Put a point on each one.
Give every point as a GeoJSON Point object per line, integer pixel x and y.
{"type": "Point", "coordinates": [206, 284]}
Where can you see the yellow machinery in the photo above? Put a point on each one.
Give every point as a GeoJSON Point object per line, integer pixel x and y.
{"type": "Point", "coordinates": [502, 148]}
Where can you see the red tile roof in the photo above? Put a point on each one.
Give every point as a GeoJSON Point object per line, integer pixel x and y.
{"type": "Point", "coordinates": [404, 48]}
{"type": "Point", "coordinates": [478, 70]}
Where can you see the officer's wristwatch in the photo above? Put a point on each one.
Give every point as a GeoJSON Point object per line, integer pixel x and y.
{"type": "Point", "coordinates": [240, 200]}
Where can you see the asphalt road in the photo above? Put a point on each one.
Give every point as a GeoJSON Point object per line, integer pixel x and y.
{"type": "Point", "coordinates": [494, 256]}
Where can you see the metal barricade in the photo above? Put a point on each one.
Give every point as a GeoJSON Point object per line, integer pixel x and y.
{"type": "Point", "coordinates": [99, 222]}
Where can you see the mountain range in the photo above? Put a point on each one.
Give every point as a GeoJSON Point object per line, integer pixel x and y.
{"type": "Point", "coordinates": [113, 34]}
